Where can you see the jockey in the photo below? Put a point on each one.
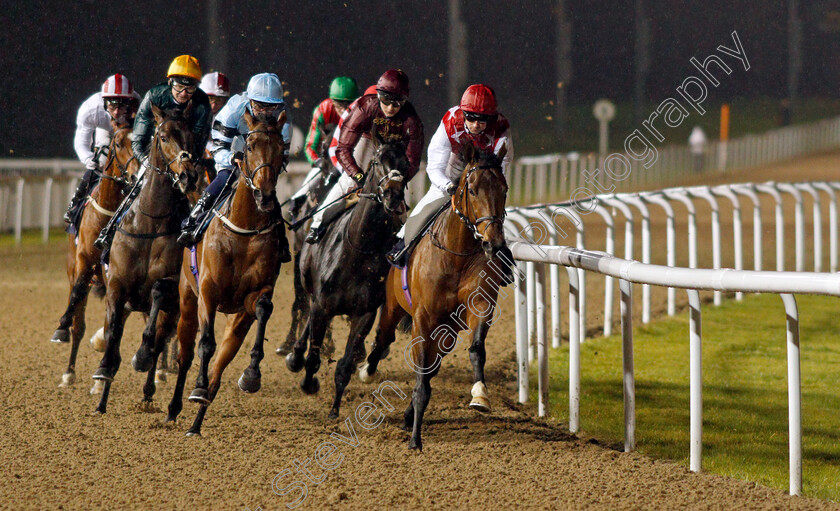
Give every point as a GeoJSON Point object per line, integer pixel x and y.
{"type": "Point", "coordinates": [392, 118]}
{"type": "Point", "coordinates": [177, 93]}
{"type": "Point", "coordinates": [117, 100]}
{"type": "Point", "coordinates": [474, 121]}
{"type": "Point", "coordinates": [264, 100]}
{"type": "Point", "coordinates": [217, 88]}
{"type": "Point", "coordinates": [325, 117]}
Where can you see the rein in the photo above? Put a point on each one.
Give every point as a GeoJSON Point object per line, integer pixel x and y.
{"type": "Point", "coordinates": [167, 170]}
{"type": "Point", "coordinates": [249, 178]}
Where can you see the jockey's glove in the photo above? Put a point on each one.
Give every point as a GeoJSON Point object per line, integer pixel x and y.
{"type": "Point", "coordinates": [450, 188]}
{"type": "Point", "coordinates": [237, 156]}
{"type": "Point", "coordinates": [90, 164]}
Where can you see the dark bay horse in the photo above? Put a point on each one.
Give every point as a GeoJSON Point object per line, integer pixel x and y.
{"type": "Point", "coordinates": [345, 272]}
{"type": "Point", "coordinates": [237, 266]}
{"type": "Point", "coordinates": [145, 257]}
{"type": "Point", "coordinates": [82, 257]}
{"type": "Point", "coordinates": [453, 279]}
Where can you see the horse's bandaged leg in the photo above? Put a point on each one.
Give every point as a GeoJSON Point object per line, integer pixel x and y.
{"type": "Point", "coordinates": [480, 402]}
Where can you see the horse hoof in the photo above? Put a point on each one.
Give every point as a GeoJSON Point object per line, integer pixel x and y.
{"type": "Point", "coordinates": [295, 364]}
{"type": "Point", "coordinates": [60, 336]}
{"type": "Point", "coordinates": [312, 387]}
{"type": "Point", "coordinates": [67, 379]}
{"type": "Point", "coordinates": [142, 362]}
{"type": "Point", "coordinates": [364, 375]}
{"type": "Point", "coordinates": [193, 433]}
{"type": "Point", "coordinates": [480, 404]}
{"type": "Point", "coordinates": [199, 396]}
{"type": "Point", "coordinates": [97, 342]}
{"type": "Point", "coordinates": [160, 376]}
{"type": "Point", "coordinates": [285, 349]}
{"type": "Point", "coordinates": [98, 387]}
{"type": "Point", "coordinates": [333, 414]}
{"type": "Point", "coordinates": [249, 385]}
{"type": "Point", "coordinates": [103, 374]}
{"type": "Point", "coordinates": [416, 445]}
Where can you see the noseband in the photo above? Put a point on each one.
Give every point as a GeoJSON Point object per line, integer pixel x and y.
{"type": "Point", "coordinates": [473, 226]}
{"type": "Point", "coordinates": [167, 170]}
{"type": "Point", "coordinates": [392, 175]}
{"type": "Point", "coordinates": [122, 178]}
{"type": "Point", "coordinates": [249, 178]}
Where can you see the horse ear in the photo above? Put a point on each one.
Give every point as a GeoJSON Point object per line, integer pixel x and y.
{"type": "Point", "coordinates": [249, 119]}
{"type": "Point", "coordinates": [158, 113]}
{"type": "Point", "coordinates": [503, 151]}
{"type": "Point", "coordinates": [281, 120]}
{"type": "Point", "coordinates": [468, 153]}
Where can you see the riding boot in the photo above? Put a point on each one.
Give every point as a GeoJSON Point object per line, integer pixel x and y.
{"type": "Point", "coordinates": [332, 212]}
{"type": "Point", "coordinates": [107, 233]}
{"type": "Point", "coordinates": [295, 204]}
{"type": "Point", "coordinates": [79, 195]}
{"type": "Point", "coordinates": [189, 231]}
{"type": "Point", "coordinates": [396, 256]}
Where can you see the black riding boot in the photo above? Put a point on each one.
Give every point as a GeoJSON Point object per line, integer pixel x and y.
{"type": "Point", "coordinates": [396, 256]}
{"type": "Point", "coordinates": [295, 204]}
{"type": "Point", "coordinates": [189, 231]}
{"type": "Point", "coordinates": [79, 195]}
{"type": "Point", "coordinates": [332, 212]}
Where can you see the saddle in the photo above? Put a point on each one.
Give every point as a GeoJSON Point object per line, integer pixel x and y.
{"type": "Point", "coordinates": [411, 244]}
{"type": "Point", "coordinates": [76, 213]}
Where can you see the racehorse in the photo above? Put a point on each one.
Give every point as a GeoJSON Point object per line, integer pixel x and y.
{"type": "Point", "coordinates": [345, 272]}
{"type": "Point", "coordinates": [450, 284]}
{"type": "Point", "coordinates": [145, 257]}
{"type": "Point", "coordinates": [82, 257]}
{"type": "Point", "coordinates": [234, 271]}
{"type": "Point", "coordinates": [300, 306]}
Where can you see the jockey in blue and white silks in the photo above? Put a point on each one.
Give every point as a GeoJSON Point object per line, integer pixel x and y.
{"type": "Point", "coordinates": [262, 99]}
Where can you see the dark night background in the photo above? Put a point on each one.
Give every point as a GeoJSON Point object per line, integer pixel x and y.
{"type": "Point", "coordinates": [55, 54]}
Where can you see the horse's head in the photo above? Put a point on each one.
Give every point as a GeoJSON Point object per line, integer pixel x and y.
{"type": "Point", "coordinates": [263, 159]}
{"type": "Point", "coordinates": [480, 197]}
{"type": "Point", "coordinates": [172, 145]}
{"type": "Point", "coordinates": [122, 165]}
{"type": "Point", "coordinates": [388, 177]}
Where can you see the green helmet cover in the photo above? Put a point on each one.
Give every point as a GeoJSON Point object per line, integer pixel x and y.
{"type": "Point", "coordinates": [344, 88]}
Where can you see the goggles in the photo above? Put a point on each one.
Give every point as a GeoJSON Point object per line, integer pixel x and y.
{"type": "Point", "coordinates": [342, 104]}
{"type": "Point", "coordinates": [391, 99]}
{"type": "Point", "coordinates": [179, 88]}
{"type": "Point", "coordinates": [117, 103]}
{"type": "Point", "coordinates": [473, 117]}
{"type": "Point", "coordinates": [266, 107]}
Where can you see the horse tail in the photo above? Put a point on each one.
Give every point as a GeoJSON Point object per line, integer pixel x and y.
{"type": "Point", "coordinates": [404, 325]}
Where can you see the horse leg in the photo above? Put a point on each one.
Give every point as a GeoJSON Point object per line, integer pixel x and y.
{"type": "Point", "coordinates": [317, 325]}
{"type": "Point", "coordinates": [166, 322]}
{"type": "Point", "coordinates": [250, 379]}
{"type": "Point", "coordinates": [77, 300]}
{"type": "Point", "coordinates": [426, 355]}
{"type": "Point", "coordinates": [359, 328]}
{"type": "Point", "coordinates": [206, 348]}
{"type": "Point", "coordinates": [187, 330]}
{"type": "Point", "coordinates": [389, 318]}
{"type": "Point", "coordinates": [143, 359]}
{"type": "Point", "coordinates": [294, 360]}
{"type": "Point", "coordinates": [115, 317]}
{"type": "Point", "coordinates": [478, 355]}
{"type": "Point", "coordinates": [300, 312]}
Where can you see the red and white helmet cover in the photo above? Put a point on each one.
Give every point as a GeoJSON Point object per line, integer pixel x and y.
{"type": "Point", "coordinates": [215, 84]}
{"type": "Point", "coordinates": [117, 86]}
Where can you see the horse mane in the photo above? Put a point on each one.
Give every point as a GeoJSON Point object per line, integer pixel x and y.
{"type": "Point", "coordinates": [487, 159]}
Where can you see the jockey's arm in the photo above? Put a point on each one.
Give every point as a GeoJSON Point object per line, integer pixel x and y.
{"type": "Point", "coordinates": [144, 125]}
{"type": "Point", "coordinates": [351, 131]}
{"type": "Point", "coordinates": [416, 139]}
{"type": "Point", "coordinates": [507, 141]}
{"type": "Point", "coordinates": [201, 129]}
{"type": "Point", "coordinates": [440, 148]}
{"type": "Point", "coordinates": [85, 131]}
{"type": "Point", "coordinates": [222, 139]}
{"type": "Point", "coordinates": [314, 136]}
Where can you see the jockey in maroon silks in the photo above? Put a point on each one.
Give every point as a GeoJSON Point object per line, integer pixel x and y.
{"type": "Point", "coordinates": [391, 118]}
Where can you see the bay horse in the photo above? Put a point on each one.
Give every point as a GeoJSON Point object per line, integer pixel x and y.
{"type": "Point", "coordinates": [145, 257]}
{"type": "Point", "coordinates": [234, 271]}
{"type": "Point", "coordinates": [345, 272]}
{"type": "Point", "coordinates": [452, 279]}
{"type": "Point", "coordinates": [83, 258]}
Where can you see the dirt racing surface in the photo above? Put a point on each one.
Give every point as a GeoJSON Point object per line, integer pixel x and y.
{"type": "Point", "coordinates": [256, 449]}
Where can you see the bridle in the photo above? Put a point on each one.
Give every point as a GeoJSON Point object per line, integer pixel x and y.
{"type": "Point", "coordinates": [464, 200]}
{"type": "Point", "coordinates": [122, 178]}
{"type": "Point", "coordinates": [249, 178]}
{"type": "Point", "coordinates": [167, 170]}
{"type": "Point", "coordinates": [392, 175]}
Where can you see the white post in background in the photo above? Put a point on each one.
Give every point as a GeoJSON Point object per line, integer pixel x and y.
{"type": "Point", "coordinates": [794, 394]}
{"type": "Point", "coordinates": [521, 334]}
{"type": "Point", "coordinates": [679, 195]}
{"type": "Point", "coordinates": [799, 220]}
{"type": "Point", "coordinates": [670, 233]}
{"type": "Point", "coordinates": [542, 345]}
{"type": "Point", "coordinates": [608, 281]}
{"type": "Point", "coordinates": [19, 210]}
{"type": "Point", "coordinates": [629, 383]}
{"type": "Point", "coordinates": [810, 190]}
{"type": "Point", "coordinates": [636, 201]}
{"type": "Point", "coordinates": [726, 191]}
{"type": "Point", "coordinates": [704, 193]}
{"type": "Point", "coordinates": [696, 380]}
{"type": "Point", "coordinates": [48, 184]}
{"type": "Point", "coordinates": [574, 351]}
{"type": "Point", "coordinates": [769, 189]}
{"type": "Point", "coordinates": [757, 249]}
{"type": "Point", "coordinates": [832, 224]}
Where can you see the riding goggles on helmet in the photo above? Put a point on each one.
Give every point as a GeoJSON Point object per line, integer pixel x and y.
{"type": "Point", "coordinates": [179, 88]}
{"type": "Point", "coordinates": [389, 99]}
{"type": "Point", "coordinates": [267, 107]}
{"type": "Point", "coordinates": [473, 117]}
{"type": "Point", "coordinates": [117, 103]}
